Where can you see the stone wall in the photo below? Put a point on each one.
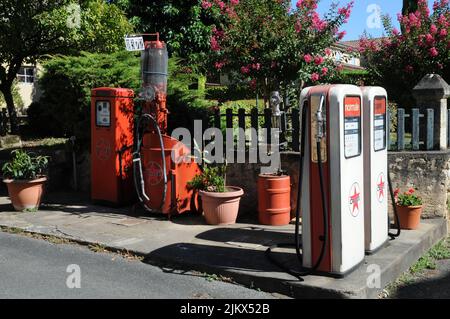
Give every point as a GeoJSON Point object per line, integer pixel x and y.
{"type": "Point", "coordinates": [429, 173]}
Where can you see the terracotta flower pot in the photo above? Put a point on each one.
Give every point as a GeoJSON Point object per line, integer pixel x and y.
{"type": "Point", "coordinates": [25, 194]}
{"type": "Point", "coordinates": [409, 216]}
{"type": "Point", "coordinates": [274, 199]}
{"type": "Point", "coordinates": [221, 208]}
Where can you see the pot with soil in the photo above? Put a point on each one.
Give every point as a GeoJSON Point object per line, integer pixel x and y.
{"type": "Point", "coordinates": [220, 203]}
{"type": "Point", "coordinates": [409, 209]}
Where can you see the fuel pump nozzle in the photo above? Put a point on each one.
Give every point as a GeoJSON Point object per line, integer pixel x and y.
{"type": "Point", "coordinates": [320, 121]}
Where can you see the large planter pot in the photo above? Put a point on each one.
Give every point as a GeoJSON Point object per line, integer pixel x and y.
{"type": "Point", "coordinates": [274, 199]}
{"type": "Point", "coordinates": [221, 208]}
{"type": "Point", "coordinates": [409, 216]}
{"type": "Point", "coordinates": [25, 194]}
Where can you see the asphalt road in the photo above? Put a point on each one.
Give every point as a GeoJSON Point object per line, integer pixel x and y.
{"type": "Point", "coordinates": [32, 268]}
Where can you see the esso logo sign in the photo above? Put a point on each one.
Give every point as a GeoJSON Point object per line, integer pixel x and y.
{"type": "Point", "coordinates": [153, 173]}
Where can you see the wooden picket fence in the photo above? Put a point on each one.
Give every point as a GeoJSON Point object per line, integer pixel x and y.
{"type": "Point", "coordinates": [289, 129]}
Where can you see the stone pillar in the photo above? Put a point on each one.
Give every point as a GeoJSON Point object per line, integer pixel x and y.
{"type": "Point", "coordinates": [432, 93]}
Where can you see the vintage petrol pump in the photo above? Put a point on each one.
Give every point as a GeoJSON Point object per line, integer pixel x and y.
{"type": "Point", "coordinates": [111, 142]}
{"type": "Point", "coordinates": [376, 173]}
{"type": "Point", "coordinates": [331, 185]}
{"type": "Point", "coordinates": [375, 168]}
{"type": "Point", "coordinates": [332, 193]}
{"type": "Point", "coordinates": [160, 182]}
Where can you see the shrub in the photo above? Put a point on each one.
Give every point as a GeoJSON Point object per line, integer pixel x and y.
{"type": "Point", "coordinates": [64, 108]}
{"type": "Point", "coordinates": [401, 59]}
{"type": "Point", "coordinates": [211, 180]}
{"type": "Point", "coordinates": [24, 167]}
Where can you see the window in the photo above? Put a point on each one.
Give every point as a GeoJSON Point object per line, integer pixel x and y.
{"type": "Point", "coordinates": [26, 74]}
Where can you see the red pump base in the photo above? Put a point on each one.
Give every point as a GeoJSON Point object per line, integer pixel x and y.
{"type": "Point", "coordinates": [178, 198]}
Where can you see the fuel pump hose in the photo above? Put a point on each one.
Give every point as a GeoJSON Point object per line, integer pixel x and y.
{"type": "Point", "coordinates": [394, 208]}
{"type": "Point", "coordinates": [304, 272]}
{"type": "Point", "coordinates": [137, 163]}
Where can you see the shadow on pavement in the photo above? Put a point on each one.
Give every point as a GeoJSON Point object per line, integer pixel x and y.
{"type": "Point", "coordinates": [436, 288]}
{"type": "Point", "coordinates": [252, 235]}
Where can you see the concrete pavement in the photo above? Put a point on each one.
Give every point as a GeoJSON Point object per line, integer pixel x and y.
{"type": "Point", "coordinates": [31, 268]}
{"type": "Point", "coordinates": [236, 251]}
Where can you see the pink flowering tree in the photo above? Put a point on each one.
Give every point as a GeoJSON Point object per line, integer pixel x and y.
{"type": "Point", "coordinates": [270, 45]}
{"type": "Point", "coordinates": [401, 59]}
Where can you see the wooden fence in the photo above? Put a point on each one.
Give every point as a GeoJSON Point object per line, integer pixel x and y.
{"type": "Point", "coordinates": [414, 130]}
{"type": "Point", "coordinates": [289, 125]}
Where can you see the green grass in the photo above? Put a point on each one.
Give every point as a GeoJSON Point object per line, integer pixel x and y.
{"type": "Point", "coordinates": [427, 262]}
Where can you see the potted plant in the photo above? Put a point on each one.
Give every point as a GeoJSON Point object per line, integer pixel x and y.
{"type": "Point", "coordinates": [220, 203]}
{"type": "Point", "coordinates": [24, 177]}
{"type": "Point", "coordinates": [409, 208]}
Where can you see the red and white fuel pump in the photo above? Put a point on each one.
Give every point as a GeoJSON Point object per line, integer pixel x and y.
{"type": "Point", "coordinates": [376, 172]}
{"type": "Point", "coordinates": [332, 194]}
{"type": "Point", "coordinates": [376, 169]}
{"type": "Point", "coordinates": [331, 185]}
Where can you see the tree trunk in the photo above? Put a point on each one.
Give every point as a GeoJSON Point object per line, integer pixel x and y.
{"type": "Point", "coordinates": [409, 6]}
{"type": "Point", "coordinates": [7, 93]}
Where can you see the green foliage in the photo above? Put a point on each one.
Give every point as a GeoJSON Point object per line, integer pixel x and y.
{"type": "Point", "coordinates": [64, 108]}
{"type": "Point", "coordinates": [268, 46]}
{"type": "Point", "coordinates": [356, 77]}
{"type": "Point", "coordinates": [103, 27]}
{"type": "Point", "coordinates": [18, 102]}
{"type": "Point", "coordinates": [392, 107]}
{"type": "Point", "coordinates": [441, 250]}
{"type": "Point", "coordinates": [212, 179]}
{"type": "Point", "coordinates": [185, 102]}
{"type": "Point", "coordinates": [182, 24]}
{"type": "Point", "coordinates": [231, 92]}
{"type": "Point", "coordinates": [401, 59]}
{"type": "Point", "coordinates": [424, 262]}
{"type": "Point", "coordinates": [24, 167]}
{"type": "Point", "coordinates": [408, 198]}
{"type": "Point", "coordinates": [31, 30]}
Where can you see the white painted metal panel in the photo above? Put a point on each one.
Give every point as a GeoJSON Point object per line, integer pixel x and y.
{"type": "Point", "coordinates": [375, 170]}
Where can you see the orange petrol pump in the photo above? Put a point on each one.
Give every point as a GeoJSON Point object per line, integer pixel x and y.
{"type": "Point", "coordinates": [111, 145]}
{"type": "Point", "coordinates": [160, 182]}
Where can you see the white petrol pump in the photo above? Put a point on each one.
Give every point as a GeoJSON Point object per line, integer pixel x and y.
{"type": "Point", "coordinates": [376, 168]}
{"type": "Point", "coordinates": [342, 191]}
{"type": "Point", "coordinates": [334, 116]}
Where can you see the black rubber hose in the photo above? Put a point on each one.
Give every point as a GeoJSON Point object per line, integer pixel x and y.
{"type": "Point", "coordinates": [394, 208]}
{"type": "Point", "coordinates": [276, 262]}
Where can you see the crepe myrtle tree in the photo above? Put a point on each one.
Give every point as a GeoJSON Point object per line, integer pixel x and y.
{"type": "Point", "coordinates": [271, 45]}
{"type": "Point", "coordinates": [401, 59]}
{"type": "Point", "coordinates": [31, 29]}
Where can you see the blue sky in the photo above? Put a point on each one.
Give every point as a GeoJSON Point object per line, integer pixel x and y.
{"type": "Point", "coordinates": [359, 18]}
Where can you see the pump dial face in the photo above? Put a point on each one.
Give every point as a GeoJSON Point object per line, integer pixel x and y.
{"type": "Point", "coordinates": [148, 93]}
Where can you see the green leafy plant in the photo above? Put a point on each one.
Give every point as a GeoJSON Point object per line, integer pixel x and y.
{"type": "Point", "coordinates": [212, 179]}
{"type": "Point", "coordinates": [408, 198]}
{"type": "Point", "coordinates": [24, 167]}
